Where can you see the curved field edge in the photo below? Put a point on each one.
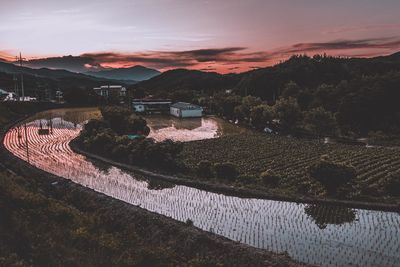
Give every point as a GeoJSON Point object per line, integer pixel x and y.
{"type": "Point", "coordinates": [290, 158]}
{"type": "Point", "coordinates": [92, 229]}
{"type": "Point", "coordinates": [235, 191]}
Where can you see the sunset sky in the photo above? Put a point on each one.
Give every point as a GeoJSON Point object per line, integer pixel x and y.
{"type": "Point", "coordinates": [219, 35]}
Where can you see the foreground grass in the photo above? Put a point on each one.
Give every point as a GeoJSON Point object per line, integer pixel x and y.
{"type": "Point", "coordinates": [289, 158]}
{"type": "Point", "coordinates": [74, 228]}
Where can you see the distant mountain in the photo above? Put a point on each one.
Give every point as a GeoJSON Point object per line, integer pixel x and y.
{"type": "Point", "coordinates": [43, 72]}
{"type": "Point", "coordinates": [70, 63]}
{"type": "Point", "coordinates": [183, 79]}
{"type": "Point", "coordinates": [136, 73]}
{"type": "Point", "coordinates": [36, 80]}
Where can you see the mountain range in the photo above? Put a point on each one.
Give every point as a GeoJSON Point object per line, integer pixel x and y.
{"type": "Point", "coordinates": [47, 79]}
{"type": "Point", "coordinates": [307, 72]}
{"type": "Point", "coordinates": [88, 65]}
{"type": "Point", "coordinates": [135, 73]}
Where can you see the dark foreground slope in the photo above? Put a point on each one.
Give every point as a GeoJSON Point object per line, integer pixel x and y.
{"type": "Point", "coordinates": [49, 221]}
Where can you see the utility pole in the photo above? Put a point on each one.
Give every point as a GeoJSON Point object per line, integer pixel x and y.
{"type": "Point", "coordinates": [16, 89]}
{"type": "Point", "coordinates": [15, 80]}
{"type": "Point", "coordinates": [22, 77]}
{"type": "Point", "coordinates": [26, 142]}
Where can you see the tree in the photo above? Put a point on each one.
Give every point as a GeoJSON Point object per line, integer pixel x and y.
{"type": "Point", "coordinates": [182, 95]}
{"type": "Point", "coordinates": [391, 183]}
{"type": "Point", "coordinates": [205, 169]}
{"type": "Point", "coordinates": [320, 122]}
{"type": "Point", "coordinates": [226, 170]}
{"type": "Point", "coordinates": [123, 121]}
{"type": "Point", "coordinates": [291, 89]}
{"type": "Point", "coordinates": [260, 115]}
{"type": "Point", "coordinates": [331, 175]}
{"type": "Point", "coordinates": [288, 112]}
{"type": "Point", "coordinates": [270, 178]}
{"type": "Point", "coordinates": [325, 96]}
{"type": "Point", "coordinates": [137, 125]}
{"type": "Point", "coordinates": [228, 105]}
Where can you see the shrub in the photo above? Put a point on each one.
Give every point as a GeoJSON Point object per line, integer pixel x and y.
{"type": "Point", "coordinates": [270, 178]}
{"type": "Point", "coordinates": [122, 121]}
{"type": "Point", "coordinates": [391, 184]}
{"type": "Point", "coordinates": [226, 170]}
{"type": "Point", "coordinates": [205, 169]}
{"type": "Point", "coordinates": [331, 175]}
{"type": "Point", "coordinates": [247, 179]}
{"type": "Point", "coordinates": [161, 155]}
{"type": "Point", "coordinates": [100, 142]}
{"type": "Point", "coordinates": [120, 152]}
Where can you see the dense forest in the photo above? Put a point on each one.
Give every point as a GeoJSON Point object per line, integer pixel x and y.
{"type": "Point", "coordinates": [360, 94]}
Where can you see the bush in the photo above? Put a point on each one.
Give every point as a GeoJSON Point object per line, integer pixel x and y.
{"type": "Point", "coordinates": [161, 155]}
{"type": "Point", "coordinates": [226, 170]}
{"type": "Point", "coordinates": [332, 175]}
{"type": "Point", "coordinates": [120, 153]}
{"type": "Point", "coordinates": [205, 169]}
{"type": "Point", "coordinates": [100, 142]}
{"type": "Point", "coordinates": [391, 184]}
{"type": "Point", "coordinates": [247, 179]}
{"type": "Point", "coordinates": [270, 178]}
{"type": "Point", "coordinates": [122, 121]}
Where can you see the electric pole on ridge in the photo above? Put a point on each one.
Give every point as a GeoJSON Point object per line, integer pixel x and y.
{"type": "Point", "coordinates": [22, 77]}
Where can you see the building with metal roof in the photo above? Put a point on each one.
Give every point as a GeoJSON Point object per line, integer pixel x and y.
{"type": "Point", "coordinates": [186, 110]}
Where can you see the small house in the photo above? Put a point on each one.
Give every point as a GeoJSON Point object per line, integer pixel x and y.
{"type": "Point", "coordinates": [107, 90]}
{"type": "Point", "coordinates": [186, 110]}
{"type": "Point", "coordinates": [151, 106]}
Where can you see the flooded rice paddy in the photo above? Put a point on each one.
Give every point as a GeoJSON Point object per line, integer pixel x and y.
{"type": "Point", "coordinates": [168, 127]}
{"type": "Point", "coordinates": [316, 234]}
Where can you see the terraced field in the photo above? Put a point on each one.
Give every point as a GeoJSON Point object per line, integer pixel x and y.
{"type": "Point", "coordinates": [289, 158]}
{"type": "Point", "coordinates": [323, 235]}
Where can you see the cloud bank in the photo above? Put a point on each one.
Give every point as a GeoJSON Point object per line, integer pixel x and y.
{"type": "Point", "coordinates": [226, 59]}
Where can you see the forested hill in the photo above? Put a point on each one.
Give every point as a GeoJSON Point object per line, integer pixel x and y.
{"type": "Point", "coordinates": [362, 93]}
{"type": "Point", "coordinates": [310, 73]}
{"type": "Point", "coordinates": [306, 72]}
{"type": "Point", "coordinates": [183, 79]}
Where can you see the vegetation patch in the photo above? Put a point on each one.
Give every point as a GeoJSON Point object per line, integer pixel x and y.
{"type": "Point", "coordinates": [111, 137]}
{"type": "Point", "coordinates": [47, 221]}
{"type": "Point", "coordinates": [287, 165]}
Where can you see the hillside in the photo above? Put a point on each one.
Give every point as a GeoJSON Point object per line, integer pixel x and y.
{"type": "Point", "coordinates": [38, 79]}
{"type": "Point", "coordinates": [309, 73]}
{"type": "Point", "coordinates": [306, 72]}
{"type": "Point", "coordinates": [136, 73]}
{"type": "Point", "coordinates": [183, 79]}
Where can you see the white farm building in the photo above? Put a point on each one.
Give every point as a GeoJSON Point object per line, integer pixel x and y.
{"type": "Point", "coordinates": [186, 110]}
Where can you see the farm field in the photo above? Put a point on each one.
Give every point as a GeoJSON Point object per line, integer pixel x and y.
{"type": "Point", "coordinates": [325, 235]}
{"type": "Point", "coordinates": [289, 158]}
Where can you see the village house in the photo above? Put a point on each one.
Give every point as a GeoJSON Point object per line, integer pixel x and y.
{"type": "Point", "coordinates": [186, 110]}
{"type": "Point", "coordinates": [107, 90]}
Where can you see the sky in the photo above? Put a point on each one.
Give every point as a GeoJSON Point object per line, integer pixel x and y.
{"type": "Point", "coordinates": [215, 35]}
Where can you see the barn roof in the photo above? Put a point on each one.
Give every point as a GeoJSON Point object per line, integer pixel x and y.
{"type": "Point", "coordinates": [185, 106]}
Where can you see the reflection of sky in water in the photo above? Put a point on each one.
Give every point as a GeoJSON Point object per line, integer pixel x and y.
{"type": "Point", "coordinates": [205, 129]}
{"type": "Point", "coordinates": [318, 235]}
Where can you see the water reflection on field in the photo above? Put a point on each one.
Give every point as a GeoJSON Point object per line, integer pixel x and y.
{"type": "Point", "coordinates": [323, 235]}
{"type": "Point", "coordinates": [189, 129]}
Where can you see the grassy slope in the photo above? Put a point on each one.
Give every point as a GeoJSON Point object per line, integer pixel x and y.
{"type": "Point", "coordinates": [45, 224]}
{"type": "Point", "coordinates": [289, 158]}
